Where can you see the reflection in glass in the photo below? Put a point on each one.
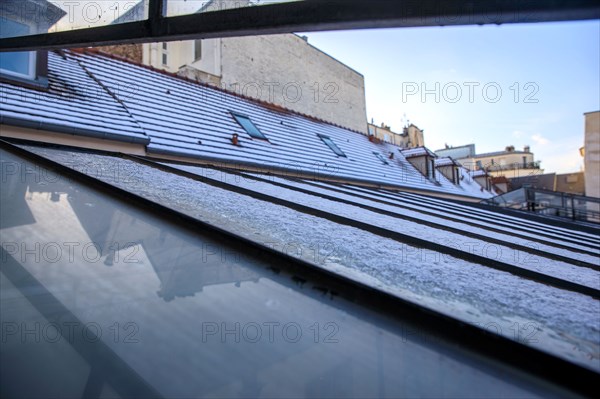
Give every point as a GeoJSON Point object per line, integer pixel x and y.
{"type": "Point", "coordinates": [101, 297]}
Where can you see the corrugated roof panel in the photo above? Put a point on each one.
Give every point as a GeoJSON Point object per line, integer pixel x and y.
{"type": "Point", "coordinates": [73, 100]}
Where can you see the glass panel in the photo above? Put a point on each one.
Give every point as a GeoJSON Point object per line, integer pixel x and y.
{"type": "Point", "coordinates": [98, 296]}
{"type": "Point", "coordinates": [183, 7]}
{"type": "Point", "coordinates": [249, 127]}
{"type": "Point", "coordinates": [41, 16]}
{"type": "Point", "coordinates": [16, 63]}
{"type": "Point", "coordinates": [332, 145]}
{"type": "Point", "coordinates": [463, 290]}
{"type": "Point", "coordinates": [381, 158]}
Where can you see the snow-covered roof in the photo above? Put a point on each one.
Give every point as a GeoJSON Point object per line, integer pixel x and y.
{"type": "Point", "coordinates": [446, 161]}
{"type": "Point", "coordinates": [74, 103]}
{"type": "Point", "coordinates": [181, 118]}
{"type": "Point", "coordinates": [417, 152]}
{"type": "Point", "coordinates": [478, 173]}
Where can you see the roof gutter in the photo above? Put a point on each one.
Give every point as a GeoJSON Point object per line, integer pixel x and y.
{"type": "Point", "coordinates": [75, 131]}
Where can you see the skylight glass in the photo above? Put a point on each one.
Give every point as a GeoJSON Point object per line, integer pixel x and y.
{"type": "Point", "coordinates": [327, 140]}
{"type": "Point", "coordinates": [249, 126]}
{"type": "Point", "coordinates": [381, 158]}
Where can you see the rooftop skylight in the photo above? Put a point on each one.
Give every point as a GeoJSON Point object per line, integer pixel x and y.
{"type": "Point", "coordinates": [249, 126]}
{"type": "Point", "coordinates": [381, 158]}
{"type": "Point", "coordinates": [327, 140]}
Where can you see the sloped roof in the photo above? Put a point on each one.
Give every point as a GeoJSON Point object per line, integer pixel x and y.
{"type": "Point", "coordinates": [178, 117]}
{"type": "Point", "coordinates": [74, 103]}
{"type": "Point", "coordinates": [446, 161]}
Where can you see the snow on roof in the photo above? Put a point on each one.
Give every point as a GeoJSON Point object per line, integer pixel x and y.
{"type": "Point", "coordinates": [417, 152]}
{"type": "Point", "coordinates": [478, 173]}
{"type": "Point", "coordinates": [182, 118]}
{"type": "Point", "coordinates": [74, 103]}
{"type": "Point", "coordinates": [445, 161]}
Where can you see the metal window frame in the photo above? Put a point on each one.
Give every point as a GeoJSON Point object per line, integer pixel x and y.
{"type": "Point", "coordinates": [309, 16]}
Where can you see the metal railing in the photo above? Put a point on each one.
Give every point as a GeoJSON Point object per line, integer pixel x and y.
{"type": "Point", "coordinates": [550, 203]}
{"type": "Point", "coordinates": [513, 166]}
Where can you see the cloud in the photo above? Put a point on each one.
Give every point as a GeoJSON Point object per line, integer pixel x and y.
{"type": "Point", "coordinates": [539, 139]}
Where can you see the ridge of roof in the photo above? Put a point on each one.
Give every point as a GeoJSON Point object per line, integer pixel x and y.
{"type": "Point", "coordinates": [272, 106]}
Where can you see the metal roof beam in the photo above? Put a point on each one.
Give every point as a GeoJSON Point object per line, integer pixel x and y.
{"type": "Point", "coordinates": [310, 16]}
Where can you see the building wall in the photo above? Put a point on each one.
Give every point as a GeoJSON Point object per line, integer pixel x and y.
{"type": "Point", "coordinates": [412, 136]}
{"type": "Point", "coordinates": [280, 69]}
{"type": "Point", "coordinates": [462, 152]}
{"type": "Point", "coordinates": [509, 164]}
{"type": "Point", "coordinates": [592, 154]}
{"type": "Point", "coordinates": [287, 71]}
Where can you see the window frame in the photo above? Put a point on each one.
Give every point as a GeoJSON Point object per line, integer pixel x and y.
{"type": "Point", "coordinates": [332, 145]}
{"type": "Point", "coordinates": [260, 136]}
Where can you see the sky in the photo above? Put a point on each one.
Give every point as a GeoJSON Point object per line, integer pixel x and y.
{"type": "Point", "coordinates": [494, 86]}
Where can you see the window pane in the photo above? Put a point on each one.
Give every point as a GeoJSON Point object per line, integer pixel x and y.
{"type": "Point", "coordinates": [155, 310]}
{"type": "Point", "coordinates": [43, 16]}
{"type": "Point", "coordinates": [15, 62]}
{"type": "Point", "coordinates": [18, 63]}
{"type": "Point", "coordinates": [249, 127]}
{"type": "Point", "coordinates": [332, 145]}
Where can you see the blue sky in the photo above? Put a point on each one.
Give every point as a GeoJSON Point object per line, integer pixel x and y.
{"type": "Point", "coordinates": [548, 74]}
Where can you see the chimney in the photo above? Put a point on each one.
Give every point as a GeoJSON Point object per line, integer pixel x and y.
{"type": "Point", "coordinates": [527, 149]}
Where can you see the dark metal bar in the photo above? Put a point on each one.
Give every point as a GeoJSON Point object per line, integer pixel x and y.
{"type": "Point", "coordinates": [514, 354]}
{"type": "Point", "coordinates": [310, 16]}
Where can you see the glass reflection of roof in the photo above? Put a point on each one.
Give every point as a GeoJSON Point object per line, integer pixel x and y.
{"type": "Point", "coordinates": [371, 355]}
{"type": "Point", "coordinates": [463, 290]}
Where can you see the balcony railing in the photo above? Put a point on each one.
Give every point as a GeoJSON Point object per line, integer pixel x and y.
{"type": "Point", "coordinates": [513, 166]}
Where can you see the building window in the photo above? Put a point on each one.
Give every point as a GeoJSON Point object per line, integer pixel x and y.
{"type": "Point", "coordinates": [432, 168]}
{"type": "Point", "coordinates": [197, 50]}
{"type": "Point", "coordinates": [524, 162]}
{"type": "Point", "coordinates": [164, 59]}
{"type": "Point", "coordinates": [249, 127]}
{"type": "Point", "coordinates": [327, 140]}
{"type": "Point", "coordinates": [20, 64]}
{"type": "Point", "coordinates": [381, 158]}
{"type": "Point", "coordinates": [164, 45]}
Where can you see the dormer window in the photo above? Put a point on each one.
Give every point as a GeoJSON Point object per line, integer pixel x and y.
{"type": "Point", "coordinates": [327, 140]}
{"type": "Point", "coordinates": [249, 126]}
{"type": "Point", "coordinates": [449, 168]}
{"type": "Point", "coordinates": [26, 67]}
{"type": "Point", "coordinates": [422, 159]}
{"type": "Point", "coordinates": [18, 64]}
